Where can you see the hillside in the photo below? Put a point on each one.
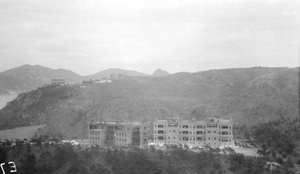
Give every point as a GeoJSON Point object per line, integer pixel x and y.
{"type": "Point", "coordinates": [248, 96]}
{"type": "Point", "coordinates": [28, 77]}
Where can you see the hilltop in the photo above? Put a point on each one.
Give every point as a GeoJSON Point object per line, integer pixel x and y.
{"type": "Point", "coordinates": [247, 95]}
{"type": "Point", "coordinates": [160, 72]}
{"type": "Point", "coordinates": [30, 77]}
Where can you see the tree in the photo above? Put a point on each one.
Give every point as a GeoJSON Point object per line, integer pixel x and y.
{"type": "Point", "coordinates": [28, 164]}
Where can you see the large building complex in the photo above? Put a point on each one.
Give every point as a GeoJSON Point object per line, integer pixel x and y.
{"type": "Point", "coordinates": [107, 133]}
{"type": "Point", "coordinates": [213, 132]}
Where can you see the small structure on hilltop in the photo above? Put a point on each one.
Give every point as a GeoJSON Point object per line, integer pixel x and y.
{"type": "Point", "coordinates": [117, 76]}
{"type": "Point", "coordinates": [58, 82]}
{"type": "Point", "coordinates": [102, 81]}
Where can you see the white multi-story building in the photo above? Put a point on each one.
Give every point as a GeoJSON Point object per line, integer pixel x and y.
{"type": "Point", "coordinates": [213, 132]}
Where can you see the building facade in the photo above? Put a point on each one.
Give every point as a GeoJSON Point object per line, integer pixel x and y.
{"type": "Point", "coordinates": [108, 133]}
{"type": "Point", "coordinates": [213, 132]}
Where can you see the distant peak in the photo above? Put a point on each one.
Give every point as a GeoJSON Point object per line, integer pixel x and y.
{"type": "Point", "coordinates": [160, 72]}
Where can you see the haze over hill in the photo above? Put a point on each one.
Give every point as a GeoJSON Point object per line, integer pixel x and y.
{"type": "Point", "coordinates": [106, 73]}
{"type": "Point", "coordinates": [28, 77]}
{"type": "Point", "coordinates": [246, 95]}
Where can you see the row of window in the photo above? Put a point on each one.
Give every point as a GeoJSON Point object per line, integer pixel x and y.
{"type": "Point", "coordinates": [95, 138]}
{"type": "Point", "coordinates": [195, 126]}
{"type": "Point", "coordinates": [121, 134]}
{"type": "Point", "coordinates": [181, 126]}
{"type": "Point", "coordinates": [197, 132]}
{"type": "Point", "coordinates": [121, 139]}
{"type": "Point", "coordinates": [192, 139]}
{"type": "Point", "coordinates": [182, 138]}
{"type": "Point", "coordinates": [94, 132]}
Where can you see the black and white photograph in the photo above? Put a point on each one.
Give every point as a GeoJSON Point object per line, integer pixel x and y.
{"type": "Point", "coordinates": [149, 87]}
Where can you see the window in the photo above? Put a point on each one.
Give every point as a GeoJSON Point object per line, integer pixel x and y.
{"type": "Point", "coordinates": [185, 138]}
{"type": "Point", "coordinates": [224, 133]}
{"type": "Point", "coordinates": [160, 132]}
{"type": "Point", "coordinates": [174, 138]}
{"type": "Point", "coordinates": [212, 126]}
{"type": "Point", "coordinates": [160, 126]}
{"type": "Point", "coordinates": [199, 132]}
{"type": "Point", "coordinates": [199, 138]}
{"type": "Point", "coordinates": [199, 126]}
{"type": "Point", "coordinates": [185, 132]}
{"type": "Point", "coordinates": [224, 127]}
{"type": "Point", "coordinates": [185, 126]}
{"type": "Point", "coordinates": [160, 138]}
{"type": "Point", "coordinates": [224, 139]}
{"type": "Point", "coordinates": [208, 132]}
{"type": "Point", "coordinates": [174, 131]}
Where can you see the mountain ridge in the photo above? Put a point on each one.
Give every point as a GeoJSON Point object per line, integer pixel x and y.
{"type": "Point", "coordinates": [248, 96]}
{"type": "Point", "coordinates": [29, 77]}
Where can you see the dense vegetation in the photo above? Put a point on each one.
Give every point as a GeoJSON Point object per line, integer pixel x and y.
{"type": "Point", "coordinates": [28, 108]}
{"type": "Point", "coordinates": [279, 141]}
{"type": "Point", "coordinates": [65, 158]}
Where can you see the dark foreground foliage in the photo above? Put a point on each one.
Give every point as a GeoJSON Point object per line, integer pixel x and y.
{"type": "Point", "coordinates": [65, 158]}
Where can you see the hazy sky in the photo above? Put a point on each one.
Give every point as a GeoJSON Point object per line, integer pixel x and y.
{"type": "Point", "coordinates": [87, 36]}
